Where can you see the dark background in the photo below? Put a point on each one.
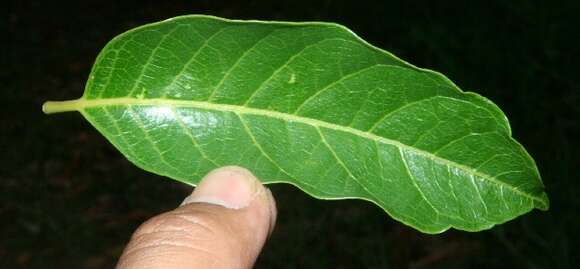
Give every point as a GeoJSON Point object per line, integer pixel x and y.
{"type": "Point", "coordinates": [68, 199]}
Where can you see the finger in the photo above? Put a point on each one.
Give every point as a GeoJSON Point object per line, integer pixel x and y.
{"type": "Point", "coordinates": [222, 224]}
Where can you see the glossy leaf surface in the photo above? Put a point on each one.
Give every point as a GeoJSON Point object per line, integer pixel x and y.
{"type": "Point", "coordinates": [313, 105]}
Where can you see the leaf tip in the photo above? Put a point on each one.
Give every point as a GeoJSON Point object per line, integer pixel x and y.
{"type": "Point", "coordinates": [544, 203]}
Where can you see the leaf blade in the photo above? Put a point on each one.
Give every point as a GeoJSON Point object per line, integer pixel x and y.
{"type": "Point", "coordinates": [429, 154]}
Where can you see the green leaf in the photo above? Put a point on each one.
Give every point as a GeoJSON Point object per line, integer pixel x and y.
{"type": "Point", "coordinates": [312, 105]}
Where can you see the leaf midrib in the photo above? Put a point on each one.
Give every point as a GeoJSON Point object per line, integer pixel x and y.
{"type": "Point", "coordinates": [81, 104]}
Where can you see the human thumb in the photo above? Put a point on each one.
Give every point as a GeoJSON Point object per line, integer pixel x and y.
{"type": "Point", "coordinates": [224, 223]}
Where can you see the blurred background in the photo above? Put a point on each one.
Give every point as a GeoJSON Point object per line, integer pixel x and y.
{"type": "Point", "coordinates": [68, 199]}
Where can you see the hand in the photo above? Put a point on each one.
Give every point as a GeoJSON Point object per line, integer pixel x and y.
{"type": "Point", "coordinates": [222, 224]}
